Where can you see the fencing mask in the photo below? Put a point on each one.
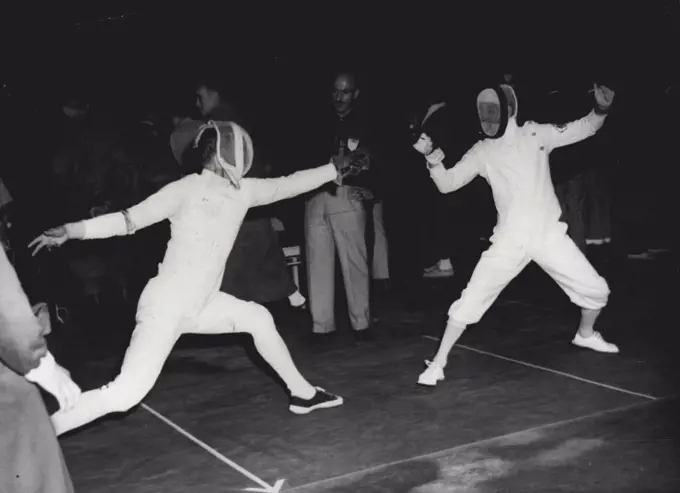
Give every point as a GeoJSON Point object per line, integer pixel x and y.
{"type": "Point", "coordinates": [233, 149]}
{"type": "Point", "coordinates": [495, 107]}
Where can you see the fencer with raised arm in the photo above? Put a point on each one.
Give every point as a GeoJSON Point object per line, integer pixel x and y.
{"type": "Point", "coordinates": [513, 159]}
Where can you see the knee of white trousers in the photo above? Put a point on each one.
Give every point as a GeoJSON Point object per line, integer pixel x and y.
{"type": "Point", "coordinates": [594, 297]}
{"type": "Point", "coordinates": [259, 319]}
{"type": "Point", "coordinates": [464, 312]}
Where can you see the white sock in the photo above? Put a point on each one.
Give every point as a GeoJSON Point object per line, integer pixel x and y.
{"type": "Point", "coordinates": [296, 299]}
{"type": "Point", "coordinates": [445, 264]}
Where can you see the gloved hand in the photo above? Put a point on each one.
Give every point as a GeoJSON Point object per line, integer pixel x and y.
{"type": "Point", "coordinates": [341, 164]}
{"type": "Point", "coordinates": [55, 380]}
{"type": "Point", "coordinates": [604, 97]}
{"type": "Point", "coordinates": [435, 158]}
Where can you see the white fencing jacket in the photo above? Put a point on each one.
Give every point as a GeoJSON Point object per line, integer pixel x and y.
{"type": "Point", "coordinates": [205, 213]}
{"type": "Point", "coordinates": [516, 167]}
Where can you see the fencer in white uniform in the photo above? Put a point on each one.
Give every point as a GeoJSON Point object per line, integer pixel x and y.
{"type": "Point", "coordinates": [205, 211]}
{"type": "Point", "coordinates": [514, 161]}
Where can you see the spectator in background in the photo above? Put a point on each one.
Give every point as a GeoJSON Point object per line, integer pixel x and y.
{"type": "Point", "coordinates": [569, 164]}
{"type": "Point", "coordinates": [5, 219]}
{"type": "Point", "coordinates": [451, 226]}
{"type": "Point", "coordinates": [30, 457]}
{"type": "Point", "coordinates": [256, 269]}
{"type": "Point", "coordinates": [437, 241]}
{"type": "Point", "coordinates": [597, 182]}
{"type": "Point", "coordinates": [141, 163]}
{"type": "Point", "coordinates": [335, 216]}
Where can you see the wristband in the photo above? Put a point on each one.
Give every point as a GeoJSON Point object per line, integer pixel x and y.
{"type": "Point", "coordinates": [72, 230]}
{"type": "Point", "coordinates": [435, 158]}
{"type": "Point", "coordinates": [599, 110]}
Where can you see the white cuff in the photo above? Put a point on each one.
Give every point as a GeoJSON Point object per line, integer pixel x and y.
{"type": "Point", "coordinates": [435, 158]}
{"type": "Point", "coordinates": [106, 226]}
{"type": "Point", "coordinates": [46, 367]}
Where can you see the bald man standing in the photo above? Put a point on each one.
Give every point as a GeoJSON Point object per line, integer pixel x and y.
{"type": "Point", "coordinates": [335, 219]}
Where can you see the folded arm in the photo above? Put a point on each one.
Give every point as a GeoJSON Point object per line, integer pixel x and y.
{"type": "Point", "coordinates": [22, 341]}
{"type": "Point", "coordinates": [268, 190]}
{"type": "Point", "coordinates": [450, 180]}
{"type": "Point", "coordinates": [556, 136]}
{"type": "Point", "coordinates": [161, 205]}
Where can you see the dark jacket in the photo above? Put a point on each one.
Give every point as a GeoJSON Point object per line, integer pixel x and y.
{"type": "Point", "coordinates": [30, 457]}
{"type": "Point", "coordinates": [331, 135]}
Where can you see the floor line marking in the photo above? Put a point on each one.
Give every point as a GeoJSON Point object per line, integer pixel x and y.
{"type": "Point", "coordinates": [551, 370]}
{"type": "Point", "coordinates": [434, 455]}
{"type": "Point", "coordinates": [215, 453]}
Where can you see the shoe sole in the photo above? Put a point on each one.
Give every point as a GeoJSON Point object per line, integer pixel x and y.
{"type": "Point", "coordinates": [324, 405]}
{"type": "Point", "coordinates": [425, 384]}
{"type": "Point", "coordinates": [594, 349]}
{"type": "Point", "coordinates": [438, 275]}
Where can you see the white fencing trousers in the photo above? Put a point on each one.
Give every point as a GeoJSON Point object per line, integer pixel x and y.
{"type": "Point", "coordinates": [380, 270]}
{"type": "Point", "coordinates": [336, 223]}
{"type": "Point", "coordinates": [506, 258]}
{"type": "Point", "coordinates": [159, 326]}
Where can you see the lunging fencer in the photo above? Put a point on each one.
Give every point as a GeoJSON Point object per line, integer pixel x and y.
{"type": "Point", "coordinates": [205, 210]}
{"type": "Point", "coordinates": [513, 159]}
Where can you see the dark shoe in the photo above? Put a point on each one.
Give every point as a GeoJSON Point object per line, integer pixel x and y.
{"type": "Point", "coordinates": [321, 400]}
{"type": "Point", "coordinates": [364, 335]}
{"type": "Point", "coordinates": [322, 337]}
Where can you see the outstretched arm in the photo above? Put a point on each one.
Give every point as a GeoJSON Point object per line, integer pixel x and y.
{"type": "Point", "coordinates": [157, 207]}
{"type": "Point", "coordinates": [268, 190]}
{"type": "Point", "coordinates": [555, 136]}
{"type": "Point", "coordinates": [450, 180]}
{"type": "Point", "coordinates": [154, 209]}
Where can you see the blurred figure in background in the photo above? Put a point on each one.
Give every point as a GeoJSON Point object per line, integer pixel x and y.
{"type": "Point", "coordinates": [256, 269]}
{"type": "Point", "coordinates": [438, 245]}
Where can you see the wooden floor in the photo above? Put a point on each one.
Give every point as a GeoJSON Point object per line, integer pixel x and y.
{"type": "Point", "coordinates": [521, 409]}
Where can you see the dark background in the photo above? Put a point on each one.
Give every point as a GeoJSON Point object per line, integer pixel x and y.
{"type": "Point", "coordinates": [279, 60]}
{"type": "Point", "coordinates": [282, 51]}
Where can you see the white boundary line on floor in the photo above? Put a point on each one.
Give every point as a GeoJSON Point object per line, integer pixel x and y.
{"type": "Point", "coordinates": [556, 372]}
{"type": "Point", "coordinates": [435, 455]}
{"type": "Point", "coordinates": [265, 487]}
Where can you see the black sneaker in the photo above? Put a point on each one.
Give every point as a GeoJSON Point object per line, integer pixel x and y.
{"type": "Point", "coordinates": [321, 400]}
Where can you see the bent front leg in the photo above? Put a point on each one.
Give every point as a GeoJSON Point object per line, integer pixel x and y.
{"type": "Point", "coordinates": [499, 265]}
{"type": "Point", "coordinates": [227, 314]}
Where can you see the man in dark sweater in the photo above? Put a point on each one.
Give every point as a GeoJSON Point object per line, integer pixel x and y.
{"type": "Point", "coordinates": [335, 217]}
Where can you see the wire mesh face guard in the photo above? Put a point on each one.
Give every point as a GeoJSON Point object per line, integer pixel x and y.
{"type": "Point", "coordinates": [236, 157]}
{"type": "Point", "coordinates": [495, 106]}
